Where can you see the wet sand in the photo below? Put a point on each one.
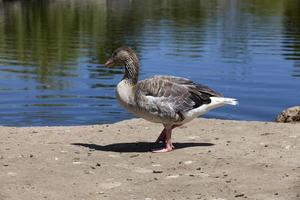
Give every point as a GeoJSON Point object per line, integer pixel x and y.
{"type": "Point", "coordinates": [213, 160]}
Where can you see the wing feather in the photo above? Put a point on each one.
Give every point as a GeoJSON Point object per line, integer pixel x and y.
{"type": "Point", "coordinates": [168, 96]}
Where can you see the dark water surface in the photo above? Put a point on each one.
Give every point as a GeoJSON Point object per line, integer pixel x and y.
{"type": "Point", "coordinates": [52, 55]}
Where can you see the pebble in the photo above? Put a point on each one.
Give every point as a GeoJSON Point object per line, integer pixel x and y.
{"type": "Point", "coordinates": [188, 162]}
{"type": "Point", "coordinates": [172, 176]}
{"type": "Point", "coordinates": [98, 164]}
{"type": "Point", "coordinates": [157, 171]}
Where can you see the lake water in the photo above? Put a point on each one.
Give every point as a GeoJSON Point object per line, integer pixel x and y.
{"type": "Point", "coordinates": [52, 55]}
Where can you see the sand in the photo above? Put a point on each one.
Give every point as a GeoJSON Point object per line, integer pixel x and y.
{"type": "Point", "coordinates": [214, 159]}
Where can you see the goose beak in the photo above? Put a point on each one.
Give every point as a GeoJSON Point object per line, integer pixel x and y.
{"type": "Point", "coordinates": [109, 63]}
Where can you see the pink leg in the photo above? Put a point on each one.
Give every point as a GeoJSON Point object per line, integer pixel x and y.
{"type": "Point", "coordinates": [168, 143]}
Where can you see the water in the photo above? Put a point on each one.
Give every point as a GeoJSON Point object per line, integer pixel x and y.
{"type": "Point", "coordinates": [52, 55]}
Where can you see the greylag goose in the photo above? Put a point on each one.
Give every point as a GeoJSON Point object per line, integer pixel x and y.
{"type": "Point", "coordinates": [169, 100]}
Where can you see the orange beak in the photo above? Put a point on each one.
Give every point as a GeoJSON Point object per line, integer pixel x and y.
{"type": "Point", "coordinates": [109, 63]}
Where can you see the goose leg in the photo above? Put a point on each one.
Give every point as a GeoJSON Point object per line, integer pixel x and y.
{"type": "Point", "coordinates": [168, 143]}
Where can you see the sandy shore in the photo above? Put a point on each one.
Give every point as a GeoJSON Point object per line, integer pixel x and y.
{"type": "Point", "coordinates": [214, 159]}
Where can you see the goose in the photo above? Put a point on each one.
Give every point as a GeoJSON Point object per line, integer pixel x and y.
{"type": "Point", "coordinates": [169, 100]}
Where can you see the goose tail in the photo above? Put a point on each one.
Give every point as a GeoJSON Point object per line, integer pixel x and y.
{"type": "Point", "coordinates": [224, 100]}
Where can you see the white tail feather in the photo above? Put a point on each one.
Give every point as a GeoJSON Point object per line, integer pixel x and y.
{"type": "Point", "coordinates": [224, 100]}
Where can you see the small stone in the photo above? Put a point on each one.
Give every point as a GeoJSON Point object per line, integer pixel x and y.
{"type": "Point", "coordinates": [199, 168]}
{"type": "Point", "coordinates": [5, 165]}
{"type": "Point", "coordinates": [157, 171]}
{"type": "Point", "coordinates": [98, 164]}
{"type": "Point", "coordinates": [100, 130]}
{"type": "Point", "coordinates": [31, 156]}
{"type": "Point", "coordinates": [276, 193]}
{"type": "Point", "coordinates": [188, 162]}
{"type": "Point", "coordinates": [135, 155]}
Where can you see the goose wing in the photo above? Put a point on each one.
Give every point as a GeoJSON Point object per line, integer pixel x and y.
{"type": "Point", "coordinates": [167, 97]}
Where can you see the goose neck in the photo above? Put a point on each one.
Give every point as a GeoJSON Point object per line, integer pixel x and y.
{"type": "Point", "coordinates": [131, 71]}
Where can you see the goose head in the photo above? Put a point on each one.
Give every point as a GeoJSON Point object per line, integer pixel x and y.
{"type": "Point", "coordinates": [122, 56]}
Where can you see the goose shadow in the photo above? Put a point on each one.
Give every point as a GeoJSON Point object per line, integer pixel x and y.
{"type": "Point", "coordinates": [137, 147]}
